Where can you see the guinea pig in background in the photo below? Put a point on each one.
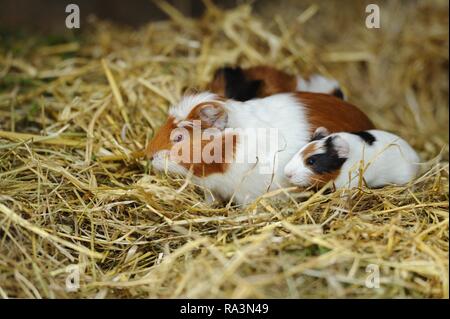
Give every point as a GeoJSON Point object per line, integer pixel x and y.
{"type": "Point", "coordinates": [228, 124]}
{"type": "Point", "coordinates": [383, 157]}
{"type": "Point", "coordinates": [261, 81]}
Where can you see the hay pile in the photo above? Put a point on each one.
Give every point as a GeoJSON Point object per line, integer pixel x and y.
{"type": "Point", "coordinates": [72, 193]}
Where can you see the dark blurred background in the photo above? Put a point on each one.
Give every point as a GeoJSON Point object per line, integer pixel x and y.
{"type": "Point", "coordinates": [48, 16]}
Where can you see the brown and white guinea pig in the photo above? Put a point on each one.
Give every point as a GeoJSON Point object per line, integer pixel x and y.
{"type": "Point", "coordinates": [234, 162]}
{"type": "Point", "coordinates": [383, 158]}
{"type": "Point", "coordinates": [261, 81]}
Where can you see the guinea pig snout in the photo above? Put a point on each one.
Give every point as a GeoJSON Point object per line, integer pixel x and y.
{"type": "Point", "coordinates": [153, 156]}
{"type": "Point", "coordinates": [289, 171]}
{"type": "Point", "coordinates": [289, 174]}
{"type": "Point", "coordinates": [159, 156]}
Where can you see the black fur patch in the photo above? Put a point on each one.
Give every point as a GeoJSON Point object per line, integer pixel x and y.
{"type": "Point", "coordinates": [237, 86]}
{"type": "Point", "coordinates": [327, 162]}
{"type": "Point", "coordinates": [338, 93]}
{"type": "Point", "coordinates": [365, 136]}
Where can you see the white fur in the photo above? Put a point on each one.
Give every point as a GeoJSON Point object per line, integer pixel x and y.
{"type": "Point", "coordinates": [243, 181]}
{"type": "Point", "coordinates": [389, 160]}
{"type": "Point", "coordinates": [317, 83]}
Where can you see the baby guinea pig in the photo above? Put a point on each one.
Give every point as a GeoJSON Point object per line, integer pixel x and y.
{"type": "Point", "coordinates": [383, 157]}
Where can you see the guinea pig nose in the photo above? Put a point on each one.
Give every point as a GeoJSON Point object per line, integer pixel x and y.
{"type": "Point", "coordinates": [153, 156]}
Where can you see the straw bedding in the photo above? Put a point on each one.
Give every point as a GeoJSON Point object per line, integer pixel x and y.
{"type": "Point", "coordinates": [73, 195]}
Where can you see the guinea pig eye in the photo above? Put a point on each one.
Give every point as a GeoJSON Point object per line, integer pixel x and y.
{"type": "Point", "coordinates": [178, 138]}
{"type": "Point", "coordinates": [311, 161]}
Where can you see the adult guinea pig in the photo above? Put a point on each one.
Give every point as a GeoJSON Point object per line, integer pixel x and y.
{"type": "Point", "coordinates": [223, 143]}
{"type": "Point", "coordinates": [261, 81]}
{"type": "Point", "coordinates": [384, 158]}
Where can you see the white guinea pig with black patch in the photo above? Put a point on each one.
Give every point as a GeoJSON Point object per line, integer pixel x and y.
{"type": "Point", "coordinates": [384, 159]}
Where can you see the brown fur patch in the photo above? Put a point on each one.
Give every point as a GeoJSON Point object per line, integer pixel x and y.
{"type": "Point", "coordinates": [218, 84]}
{"type": "Point", "coordinates": [273, 81]}
{"type": "Point", "coordinates": [161, 140]}
{"type": "Point", "coordinates": [333, 113]}
{"type": "Point", "coordinates": [203, 169]}
{"type": "Point", "coordinates": [319, 180]}
{"type": "Point", "coordinates": [309, 150]}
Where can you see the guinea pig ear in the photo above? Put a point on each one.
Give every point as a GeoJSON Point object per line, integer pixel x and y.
{"type": "Point", "coordinates": [341, 146]}
{"type": "Point", "coordinates": [213, 115]}
{"type": "Point", "coordinates": [319, 133]}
